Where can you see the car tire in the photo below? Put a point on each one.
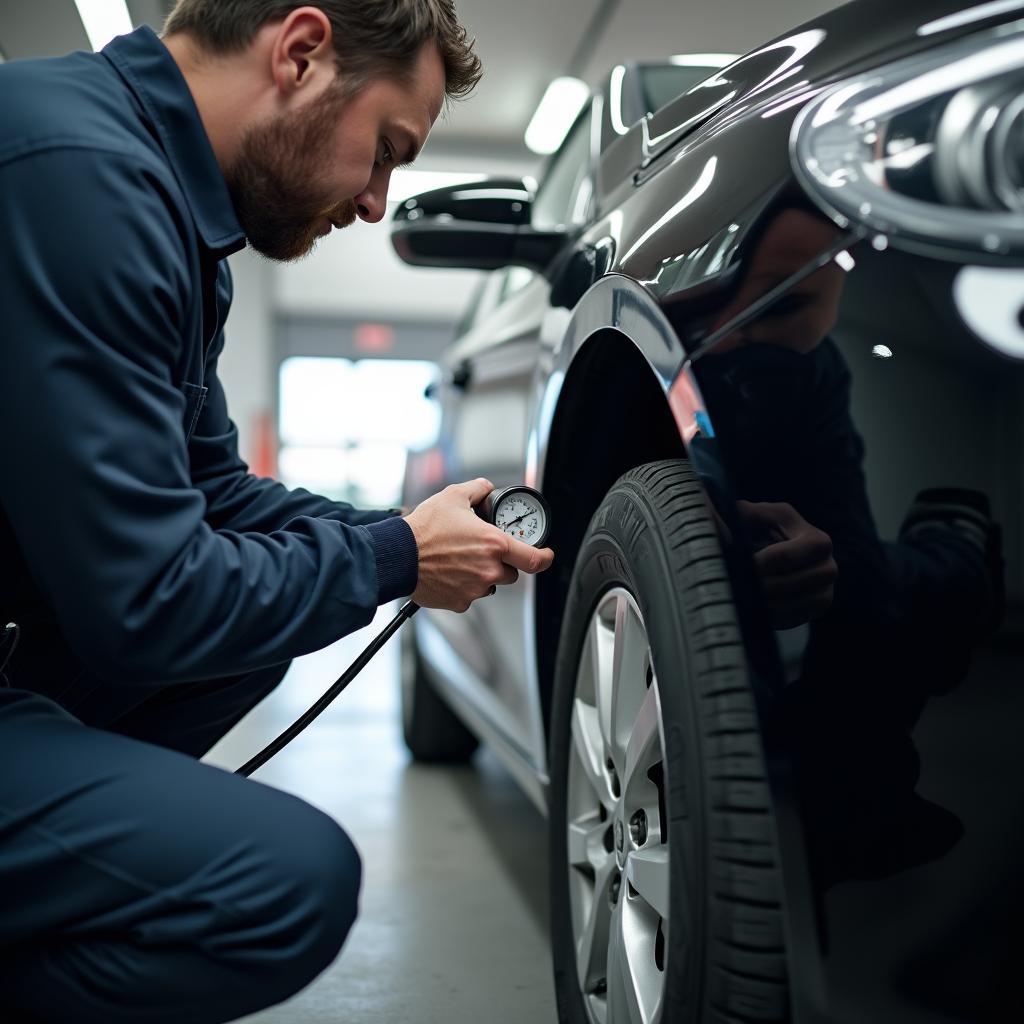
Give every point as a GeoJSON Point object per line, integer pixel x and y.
{"type": "Point", "coordinates": [432, 731]}
{"type": "Point", "coordinates": [650, 572]}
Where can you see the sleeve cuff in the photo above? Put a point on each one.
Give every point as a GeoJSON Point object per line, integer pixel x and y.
{"type": "Point", "coordinates": [397, 558]}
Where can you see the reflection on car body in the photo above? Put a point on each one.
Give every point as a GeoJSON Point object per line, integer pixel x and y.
{"type": "Point", "coordinates": [770, 694]}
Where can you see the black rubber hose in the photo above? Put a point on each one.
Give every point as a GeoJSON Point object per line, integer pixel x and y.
{"type": "Point", "coordinates": [408, 610]}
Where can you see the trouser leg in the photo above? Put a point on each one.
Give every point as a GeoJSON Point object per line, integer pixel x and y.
{"type": "Point", "coordinates": [138, 885]}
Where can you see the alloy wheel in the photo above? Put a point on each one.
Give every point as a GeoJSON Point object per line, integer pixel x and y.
{"type": "Point", "coordinates": [618, 848]}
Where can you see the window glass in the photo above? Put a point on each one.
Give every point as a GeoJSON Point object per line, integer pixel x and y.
{"type": "Point", "coordinates": [516, 279]}
{"type": "Point", "coordinates": [487, 297]}
{"type": "Point", "coordinates": [557, 204]}
{"type": "Point", "coordinates": [662, 84]}
{"type": "Point", "coordinates": [469, 316]}
{"type": "Point", "coordinates": [312, 406]}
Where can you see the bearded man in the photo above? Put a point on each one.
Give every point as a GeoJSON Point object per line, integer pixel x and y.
{"type": "Point", "coordinates": [159, 590]}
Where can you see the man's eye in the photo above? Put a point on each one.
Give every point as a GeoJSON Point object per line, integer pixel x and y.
{"type": "Point", "coordinates": [388, 155]}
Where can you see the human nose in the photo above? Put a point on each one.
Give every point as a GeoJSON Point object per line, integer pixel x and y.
{"type": "Point", "coordinates": [371, 203]}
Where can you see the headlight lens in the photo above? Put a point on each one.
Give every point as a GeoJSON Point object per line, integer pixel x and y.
{"type": "Point", "coordinates": [928, 151]}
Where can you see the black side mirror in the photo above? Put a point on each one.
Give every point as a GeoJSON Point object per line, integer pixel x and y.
{"type": "Point", "coordinates": [480, 226]}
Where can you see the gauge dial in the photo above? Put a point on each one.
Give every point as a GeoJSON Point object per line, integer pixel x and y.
{"type": "Point", "coordinates": [522, 513]}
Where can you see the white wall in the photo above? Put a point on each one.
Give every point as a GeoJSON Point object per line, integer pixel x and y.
{"type": "Point", "coordinates": [355, 272]}
{"type": "Point", "coordinates": [247, 365]}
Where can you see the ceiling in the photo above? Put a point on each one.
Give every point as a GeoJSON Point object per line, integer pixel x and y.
{"type": "Point", "coordinates": [523, 46]}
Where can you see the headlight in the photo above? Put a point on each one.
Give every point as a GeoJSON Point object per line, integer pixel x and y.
{"type": "Point", "coordinates": [928, 151]}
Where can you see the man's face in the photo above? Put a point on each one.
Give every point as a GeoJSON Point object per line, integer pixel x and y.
{"type": "Point", "coordinates": [330, 162]}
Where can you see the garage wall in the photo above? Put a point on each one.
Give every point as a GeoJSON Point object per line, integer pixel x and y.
{"type": "Point", "coordinates": [355, 273]}
{"type": "Point", "coordinates": [247, 365]}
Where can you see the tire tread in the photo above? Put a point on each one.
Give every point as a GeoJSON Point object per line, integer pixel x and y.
{"type": "Point", "coordinates": [749, 967]}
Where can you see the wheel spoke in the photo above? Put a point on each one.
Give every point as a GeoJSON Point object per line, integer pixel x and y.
{"type": "Point", "coordinates": [601, 642]}
{"type": "Point", "coordinates": [647, 871]}
{"type": "Point", "coordinates": [643, 748]}
{"type": "Point", "coordinates": [592, 939]}
{"type": "Point", "coordinates": [624, 999]}
{"type": "Point", "coordinates": [586, 842]}
{"type": "Point", "coordinates": [588, 749]}
{"type": "Point", "coordinates": [635, 984]}
{"type": "Point", "coordinates": [628, 681]}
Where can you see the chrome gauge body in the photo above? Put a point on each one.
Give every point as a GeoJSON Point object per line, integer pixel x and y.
{"type": "Point", "coordinates": [521, 512]}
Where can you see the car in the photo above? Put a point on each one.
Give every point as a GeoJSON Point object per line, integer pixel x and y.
{"type": "Point", "coordinates": [761, 347]}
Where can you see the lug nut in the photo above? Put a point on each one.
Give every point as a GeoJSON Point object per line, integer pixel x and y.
{"type": "Point", "coordinates": [616, 887]}
{"type": "Point", "coordinates": [638, 828]}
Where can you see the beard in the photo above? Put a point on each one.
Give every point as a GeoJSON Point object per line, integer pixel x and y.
{"type": "Point", "coordinates": [269, 182]}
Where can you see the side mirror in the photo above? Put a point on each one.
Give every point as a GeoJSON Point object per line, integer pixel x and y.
{"type": "Point", "coordinates": [480, 226]}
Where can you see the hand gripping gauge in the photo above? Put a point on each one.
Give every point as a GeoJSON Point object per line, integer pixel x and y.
{"type": "Point", "coordinates": [520, 511]}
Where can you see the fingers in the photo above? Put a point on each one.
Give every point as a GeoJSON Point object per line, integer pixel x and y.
{"type": "Point", "coordinates": [797, 570]}
{"type": "Point", "coordinates": [793, 598]}
{"type": "Point", "coordinates": [811, 547]}
{"type": "Point", "coordinates": [526, 558]}
{"type": "Point", "coordinates": [770, 513]}
{"type": "Point", "coordinates": [508, 576]}
{"type": "Point", "coordinates": [474, 491]}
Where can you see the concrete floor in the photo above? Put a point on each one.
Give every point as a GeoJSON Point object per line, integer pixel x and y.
{"type": "Point", "coordinates": [453, 925]}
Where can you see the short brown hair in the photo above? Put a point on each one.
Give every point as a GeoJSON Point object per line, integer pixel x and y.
{"type": "Point", "coordinates": [372, 38]}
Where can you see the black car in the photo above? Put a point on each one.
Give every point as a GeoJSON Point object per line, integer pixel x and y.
{"type": "Point", "coordinates": [762, 350]}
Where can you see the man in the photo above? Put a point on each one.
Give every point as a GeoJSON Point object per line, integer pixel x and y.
{"type": "Point", "coordinates": [159, 590]}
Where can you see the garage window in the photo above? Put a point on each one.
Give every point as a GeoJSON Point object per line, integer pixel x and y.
{"type": "Point", "coordinates": [346, 426]}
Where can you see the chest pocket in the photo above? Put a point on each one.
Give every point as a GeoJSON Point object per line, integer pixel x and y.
{"type": "Point", "coordinates": [195, 399]}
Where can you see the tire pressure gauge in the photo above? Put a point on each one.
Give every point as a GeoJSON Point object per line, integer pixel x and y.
{"type": "Point", "coordinates": [520, 511]}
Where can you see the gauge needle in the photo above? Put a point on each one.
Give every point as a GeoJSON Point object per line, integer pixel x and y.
{"type": "Point", "coordinates": [519, 520]}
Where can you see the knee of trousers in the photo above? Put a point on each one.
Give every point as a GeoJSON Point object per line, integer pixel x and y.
{"type": "Point", "coordinates": [302, 880]}
{"type": "Point", "coordinates": [330, 873]}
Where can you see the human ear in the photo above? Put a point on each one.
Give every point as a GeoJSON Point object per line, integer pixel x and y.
{"type": "Point", "coordinates": [302, 51]}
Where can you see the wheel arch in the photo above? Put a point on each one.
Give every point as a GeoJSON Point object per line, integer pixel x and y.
{"type": "Point", "coordinates": [611, 390]}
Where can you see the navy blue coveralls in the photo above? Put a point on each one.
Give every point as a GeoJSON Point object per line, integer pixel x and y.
{"type": "Point", "coordinates": [160, 588]}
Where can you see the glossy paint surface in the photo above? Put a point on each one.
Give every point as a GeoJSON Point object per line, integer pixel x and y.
{"type": "Point", "coordinates": [897, 707]}
{"type": "Point", "coordinates": [825, 385]}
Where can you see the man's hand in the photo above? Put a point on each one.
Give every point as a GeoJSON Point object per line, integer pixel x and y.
{"type": "Point", "coordinates": [462, 557]}
{"type": "Point", "coordinates": [795, 565]}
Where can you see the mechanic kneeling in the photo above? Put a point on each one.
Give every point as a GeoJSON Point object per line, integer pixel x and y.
{"type": "Point", "coordinates": [159, 590]}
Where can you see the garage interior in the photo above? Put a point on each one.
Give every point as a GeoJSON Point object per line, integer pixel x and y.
{"type": "Point", "coordinates": [326, 368]}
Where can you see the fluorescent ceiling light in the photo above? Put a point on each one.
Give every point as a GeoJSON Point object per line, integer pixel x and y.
{"type": "Point", "coordinates": [962, 18]}
{"type": "Point", "coordinates": [563, 100]}
{"type": "Point", "coordinates": [104, 19]}
{"type": "Point", "coordinates": [705, 60]}
{"type": "Point", "coordinates": [405, 183]}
